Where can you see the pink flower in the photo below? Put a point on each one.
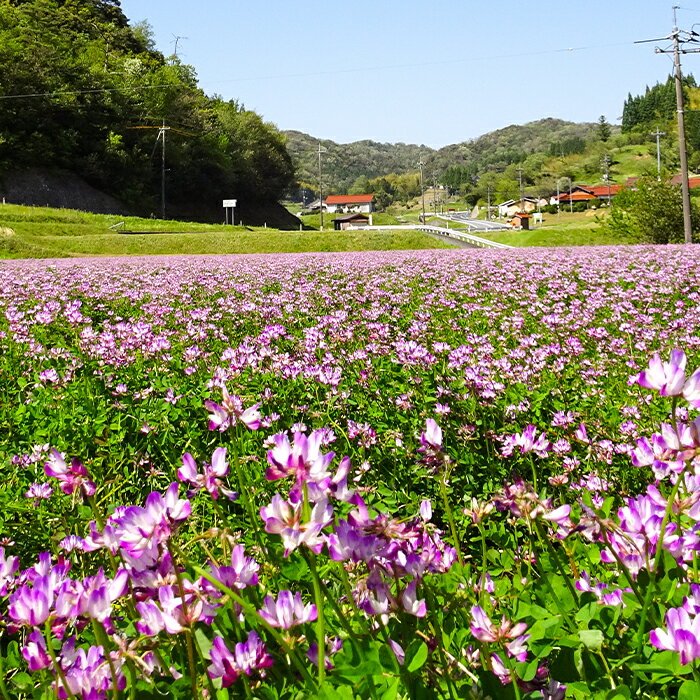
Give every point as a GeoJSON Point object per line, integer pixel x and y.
{"type": "Point", "coordinates": [668, 378]}
{"type": "Point", "coordinates": [287, 611]}
{"type": "Point", "coordinates": [302, 459]}
{"type": "Point", "coordinates": [73, 478]}
{"type": "Point", "coordinates": [284, 518]}
{"type": "Point", "coordinates": [409, 602]}
{"type": "Point", "coordinates": [212, 474]}
{"type": "Point", "coordinates": [682, 635]}
{"type": "Point", "coordinates": [506, 633]}
{"type": "Point", "coordinates": [35, 653]}
{"type": "Point", "coordinates": [431, 437]}
{"type": "Point", "coordinates": [231, 411]}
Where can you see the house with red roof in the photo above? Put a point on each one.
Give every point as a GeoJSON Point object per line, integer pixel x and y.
{"type": "Point", "coordinates": [586, 193]}
{"type": "Point", "coordinates": [346, 203]}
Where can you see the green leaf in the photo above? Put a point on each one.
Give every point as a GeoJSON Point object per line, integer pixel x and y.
{"type": "Point", "coordinates": [418, 658]}
{"type": "Point", "coordinates": [22, 680]}
{"type": "Point", "coordinates": [690, 690]}
{"type": "Point", "coordinates": [592, 639]}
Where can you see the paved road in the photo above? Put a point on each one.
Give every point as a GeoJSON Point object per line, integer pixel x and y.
{"type": "Point", "coordinates": [463, 219]}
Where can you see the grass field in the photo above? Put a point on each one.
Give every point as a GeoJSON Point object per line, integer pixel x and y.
{"type": "Point", "coordinates": [38, 232]}
{"type": "Point", "coordinates": [566, 229]}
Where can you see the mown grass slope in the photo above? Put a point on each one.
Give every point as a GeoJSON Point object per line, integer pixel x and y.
{"type": "Point", "coordinates": [31, 232]}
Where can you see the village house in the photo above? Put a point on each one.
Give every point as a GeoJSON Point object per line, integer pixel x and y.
{"type": "Point", "coordinates": [342, 223]}
{"type": "Point", "coordinates": [346, 203]}
{"type": "Point", "coordinates": [510, 207]}
{"type": "Point", "coordinates": [586, 193]}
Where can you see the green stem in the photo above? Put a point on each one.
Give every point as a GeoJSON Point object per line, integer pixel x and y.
{"type": "Point", "coordinates": [623, 568]}
{"type": "Point", "coordinates": [54, 660]}
{"type": "Point", "coordinates": [437, 631]}
{"type": "Point", "coordinates": [188, 628]}
{"type": "Point", "coordinates": [203, 659]}
{"type": "Point", "coordinates": [548, 584]}
{"type": "Point", "coordinates": [657, 561]}
{"type": "Point", "coordinates": [513, 675]}
{"type": "Point", "coordinates": [132, 678]}
{"type": "Point", "coordinates": [245, 495]}
{"type": "Point", "coordinates": [451, 519]}
{"type": "Point", "coordinates": [3, 687]}
{"type": "Point", "coordinates": [101, 636]}
{"type": "Point", "coordinates": [608, 669]}
{"type": "Point", "coordinates": [336, 609]}
{"type": "Point", "coordinates": [534, 473]}
{"type": "Point", "coordinates": [557, 562]}
{"type": "Point", "coordinates": [320, 620]}
{"type": "Point", "coordinates": [484, 561]}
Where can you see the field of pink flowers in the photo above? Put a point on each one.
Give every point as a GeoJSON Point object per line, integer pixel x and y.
{"type": "Point", "coordinates": [417, 474]}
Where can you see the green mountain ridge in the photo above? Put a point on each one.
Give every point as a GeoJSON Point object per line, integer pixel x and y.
{"type": "Point", "coordinates": [343, 164]}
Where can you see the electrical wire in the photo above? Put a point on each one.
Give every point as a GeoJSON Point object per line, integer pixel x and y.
{"type": "Point", "coordinates": [286, 76]}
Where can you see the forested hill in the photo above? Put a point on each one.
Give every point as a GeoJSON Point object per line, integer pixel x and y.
{"type": "Point", "coordinates": [343, 164]}
{"type": "Point", "coordinates": [91, 84]}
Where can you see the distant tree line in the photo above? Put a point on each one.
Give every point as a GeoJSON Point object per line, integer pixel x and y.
{"type": "Point", "coordinates": [657, 104]}
{"type": "Point", "coordinates": [96, 82]}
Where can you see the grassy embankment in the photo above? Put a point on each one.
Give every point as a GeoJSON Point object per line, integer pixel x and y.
{"type": "Point", "coordinates": [39, 232]}
{"type": "Point", "coordinates": [565, 229]}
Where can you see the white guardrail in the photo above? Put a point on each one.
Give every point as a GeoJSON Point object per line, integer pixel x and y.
{"type": "Point", "coordinates": [439, 230]}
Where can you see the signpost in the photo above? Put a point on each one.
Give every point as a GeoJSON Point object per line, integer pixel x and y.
{"type": "Point", "coordinates": [229, 205]}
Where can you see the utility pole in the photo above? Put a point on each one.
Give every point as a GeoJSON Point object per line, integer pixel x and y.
{"type": "Point", "coordinates": [161, 133]}
{"type": "Point", "coordinates": [434, 192]}
{"type": "Point", "coordinates": [522, 192]}
{"type": "Point", "coordinates": [606, 165]}
{"type": "Point", "coordinates": [177, 41]}
{"type": "Point", "coordinates": [571, 201]}
{"type": "Point", "coordinates": [658, 135]}
{"type": "Point", "coordinates": [320, 184]}
{"type": "Point", "coordinates": [488, 199]}
{"type": "Point", "coordinates": [558, 207]}
{"type": "Point", "coordinates": [675, 37]}
{"type": "Point", "coordinates": [687, 223]}
{"type": "Point", "coordinates": [422, 190]}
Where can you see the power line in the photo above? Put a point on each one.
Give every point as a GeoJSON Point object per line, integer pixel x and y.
{"type": "Point", "coordinates": [680, 38]}
{"type": "Point", "coordinates": [283, 76]}
{"type": "Point", "coordinates": [94, 91]}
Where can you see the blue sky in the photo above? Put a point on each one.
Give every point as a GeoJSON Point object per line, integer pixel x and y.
{"type": "Point", "coordinates": [431, 73]}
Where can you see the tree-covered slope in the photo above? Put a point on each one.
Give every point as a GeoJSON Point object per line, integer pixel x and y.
{"type": "Point", "coordinates": [343, 164]}
{"type": "Point", "coordinates": [79, 84]}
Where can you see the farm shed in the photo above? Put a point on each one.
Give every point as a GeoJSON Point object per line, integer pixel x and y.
{"type": "Point", "coordinates": [342, 222]}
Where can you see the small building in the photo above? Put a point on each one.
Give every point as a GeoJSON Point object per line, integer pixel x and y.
{"type": "Point", "coordinates": [314, 206]}
{"type": "Point", "coordinates": [350, 203]}
{"type": "Point", "coordinates": [520, 220]}
{"type": "Point", "coordinates": [341, 223]}
{"type": "Point", "coordinates": [512, 207]}
{"type": "Point", "coordinates": [585, 193]}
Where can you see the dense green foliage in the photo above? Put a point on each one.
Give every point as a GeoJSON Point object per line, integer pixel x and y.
{"type": "Point", "coordinates": [657, 104]}
{"type": "Point", "coordinates": [77, 80]}
{"type": "Point", "coordinates": [343, 164]}
{"type": "Point", "coordinates": [652, 212]}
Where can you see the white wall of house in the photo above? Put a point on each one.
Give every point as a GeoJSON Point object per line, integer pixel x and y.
{"type": "Point", "coordinates": [364, 208]}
